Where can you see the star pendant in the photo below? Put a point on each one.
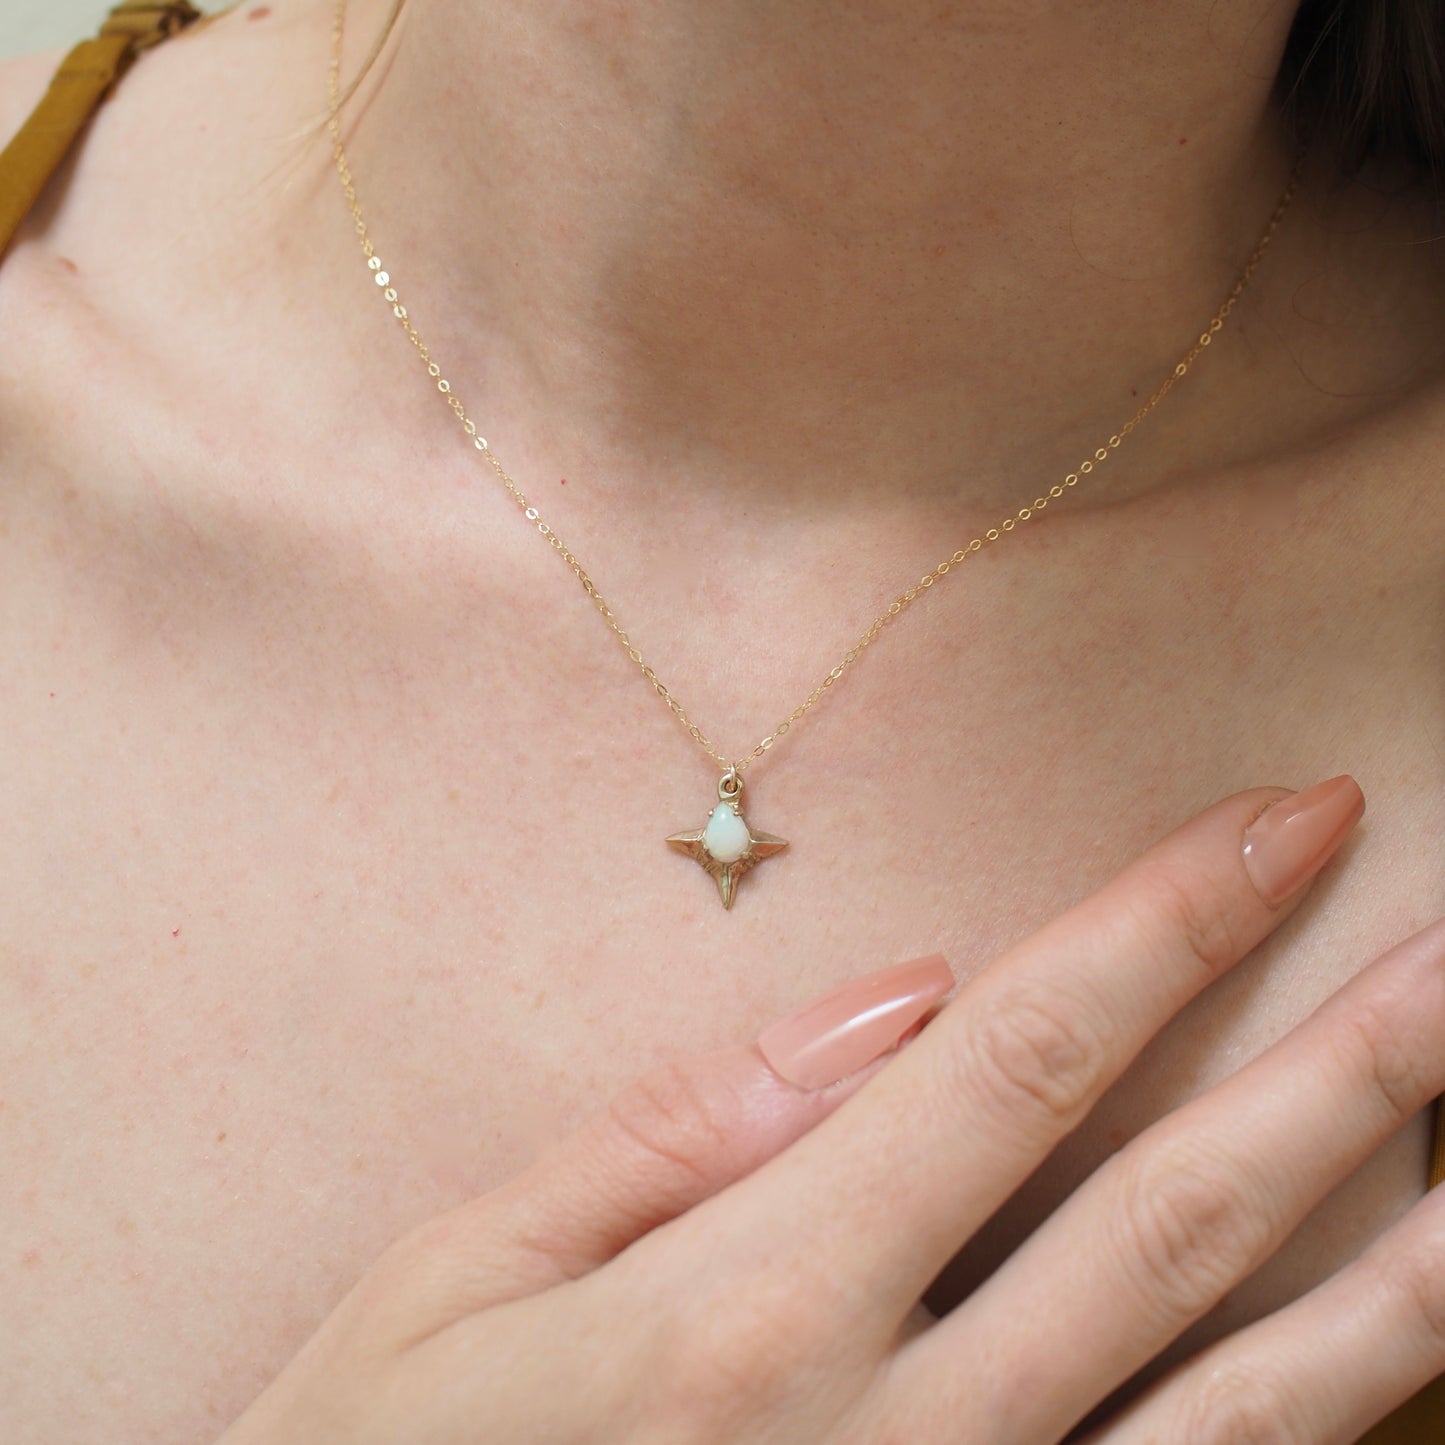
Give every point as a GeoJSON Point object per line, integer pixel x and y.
{"type": "Point", "coordinates": [725, 845]}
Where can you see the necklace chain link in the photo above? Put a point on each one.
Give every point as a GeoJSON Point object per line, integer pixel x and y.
{"type": "Point", "coordinates": [737, 766]}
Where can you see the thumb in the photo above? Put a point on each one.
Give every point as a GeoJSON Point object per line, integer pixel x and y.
{"type": "Point", "coordinates": [672, 1138]}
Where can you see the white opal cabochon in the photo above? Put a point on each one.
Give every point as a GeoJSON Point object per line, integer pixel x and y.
{"type": "Point", "coordinates": [726, 835]}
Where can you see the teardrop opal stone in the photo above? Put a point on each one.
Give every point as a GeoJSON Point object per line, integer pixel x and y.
{"type": "Point", "coordinates": [726, 835]}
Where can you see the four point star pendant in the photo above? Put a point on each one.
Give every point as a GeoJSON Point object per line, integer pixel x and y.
{"type": "Point", "coordinates": [725, 845]}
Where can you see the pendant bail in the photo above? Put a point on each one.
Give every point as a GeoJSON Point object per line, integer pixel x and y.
{"type": "Point", "coordinates": [730, 786]}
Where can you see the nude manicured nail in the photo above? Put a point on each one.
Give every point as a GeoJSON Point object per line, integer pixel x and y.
{"type": "Point", "coordinates": [1291, 840]}
{"type": "Point", "coordinates": [835, 1035]}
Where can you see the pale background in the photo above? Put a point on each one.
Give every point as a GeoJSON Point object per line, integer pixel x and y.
{"type": "Point", "coordinates": [27, 25]}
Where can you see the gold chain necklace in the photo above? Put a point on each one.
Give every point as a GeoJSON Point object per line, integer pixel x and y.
{"type": "Point", "coordinates": [725, 846]}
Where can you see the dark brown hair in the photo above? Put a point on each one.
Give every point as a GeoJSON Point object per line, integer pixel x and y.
{"type": "Point", "coordinates": [1367, 79]}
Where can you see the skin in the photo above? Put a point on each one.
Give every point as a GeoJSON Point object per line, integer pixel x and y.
{"type": "Point", "coordinates": [335, 883]}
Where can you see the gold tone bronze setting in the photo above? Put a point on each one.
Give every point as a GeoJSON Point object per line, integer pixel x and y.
{"type": "Point", "coordinates": [751, 847]}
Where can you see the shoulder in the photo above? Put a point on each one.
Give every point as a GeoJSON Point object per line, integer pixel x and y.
{"type": "Point", "coordinates": [204, 114]}
{"type": "Point", "coordinates": [123, 289]}
{"type": "Point", "coordinates": [170, 181]}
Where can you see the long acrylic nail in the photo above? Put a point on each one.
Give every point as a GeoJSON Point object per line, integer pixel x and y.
{"type": "Point", "coordinates": [835, 1035]}
{"type": "Point", "coordinates": [1292, 839]}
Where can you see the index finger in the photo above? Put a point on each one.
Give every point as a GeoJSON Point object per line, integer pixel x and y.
{"type": "Point", "coordinates": [886, 1191]}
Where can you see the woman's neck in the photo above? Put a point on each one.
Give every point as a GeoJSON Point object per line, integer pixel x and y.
{"type": "Point", "coordinates": [805, 239]}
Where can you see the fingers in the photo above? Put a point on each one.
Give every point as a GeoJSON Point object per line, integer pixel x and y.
{"type": "Point", "coordinates": [881, 1196]}
{"type": "Point", "coordinates": [1171, 1223]}
{"type": "Point", "coordinates": [1322, 1370]}
{"type": "Point", "coordinates": [669, 1140]}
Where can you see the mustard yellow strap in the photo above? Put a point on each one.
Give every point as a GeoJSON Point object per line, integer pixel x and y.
{"type": "Point", "coordinates": [84, 79]}
{"type": "Point", "coordinates": [1437, 1154]}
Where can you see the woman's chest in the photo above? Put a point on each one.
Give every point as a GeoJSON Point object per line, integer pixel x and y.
{"type": "Point", "coordinates": [335, 890]}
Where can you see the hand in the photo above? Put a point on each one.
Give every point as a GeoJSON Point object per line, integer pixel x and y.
{"type": "Point", "coordinates": [723, 1255]}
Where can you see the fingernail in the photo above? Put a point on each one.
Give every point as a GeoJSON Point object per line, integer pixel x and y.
{"type": "Point", "coordinates": [835, 1035]}
{"type": "Point", "coordinates": [1291, 840]}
